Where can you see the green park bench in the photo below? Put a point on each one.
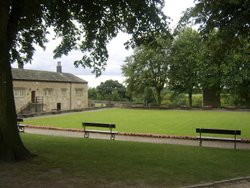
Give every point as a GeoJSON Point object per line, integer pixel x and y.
{"type": "Point", "coordinates": [20, 126]}
{"type": "Point", "coordinates": [218, 131]}
{"type": "Point", "coordinates": [102, 125]}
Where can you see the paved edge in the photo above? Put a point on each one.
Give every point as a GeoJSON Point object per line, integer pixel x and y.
{"type": "Point", "coordinates": [217, 183]}
{"type": "Point", "coordinates": [130, 134]}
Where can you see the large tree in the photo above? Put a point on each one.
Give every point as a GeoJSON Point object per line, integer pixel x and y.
{"type": "Point", "coordinates": [111, 90]}
{"type": "Point", "coordinates": [230, 20]}
{"type": "Point", "coordinates": [185, 62]}
{"type": "Point", "coordinates": [212, 69]}
{"type": "Point", "coordinates": [237, 74]}
{"type": "Point", "coordinates": [149, 66]}
{"type": "Point", "coordinates": [81, 25]}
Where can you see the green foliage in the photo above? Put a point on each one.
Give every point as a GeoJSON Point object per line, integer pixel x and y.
{"type": "Point", "coordinates": [227, 100]}
{"type": "Point", "coordinates": [185, 62]}
{"type": "Point", "coordinates": [197, 100]}
{"type": "Point", "coordinates": [111, 90]}
{"type": "Point", "coordinates": [166, 99]}
{"type": "Point", "coordinates": [92, 93]}
{"type": "Point", "coordinates": [230, 18]}
{"type": "Point", "coordinates": [237, 80]}
{"type": "Point", "coordinates": [224, 26]}
{"type": "Point", "coordinates": [181, 100]}
{"type": "Point", "coordinates": [148, 67]}
{"type": "Point", "coordinates": [79, 27]}
{"type": "Point", "coordinates": [194, 64]}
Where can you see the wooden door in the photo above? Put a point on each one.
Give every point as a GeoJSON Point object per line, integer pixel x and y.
{"type": "Point", "coordinates": [58, 106]}
{"type": "Point", "coordinates": [33, 96]}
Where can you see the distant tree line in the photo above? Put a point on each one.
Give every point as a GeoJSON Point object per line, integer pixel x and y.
{"type": "Point", "coordinates": [110, 90]}
{"type": "Point", "coordinates": [213, 61]}
{"type": "Point", "coordinates": [187, 63]}
{"type": "Point", "coordinates": [171, 69]}
{"type": "Point", "coordinates": [208, 67]}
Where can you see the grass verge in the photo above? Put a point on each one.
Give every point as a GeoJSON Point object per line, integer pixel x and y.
{"type": "Point", "coordinates": [74, 162]}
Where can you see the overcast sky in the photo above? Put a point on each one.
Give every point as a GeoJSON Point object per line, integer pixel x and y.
{"type": "Point", "coordinates": [43, 60]}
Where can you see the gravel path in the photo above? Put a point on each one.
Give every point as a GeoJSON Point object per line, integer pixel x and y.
{"type": "Point", "coordinates": [150, 139]}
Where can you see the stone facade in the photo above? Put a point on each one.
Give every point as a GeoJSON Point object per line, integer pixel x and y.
{"type": "Point", "coordinates": [45, 94]}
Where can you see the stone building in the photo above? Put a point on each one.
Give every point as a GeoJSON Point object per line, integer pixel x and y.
{"type": "Point", "coordinates": [43, 91]}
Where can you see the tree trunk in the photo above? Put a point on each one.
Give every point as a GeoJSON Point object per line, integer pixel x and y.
{"type": "Point", "coordinates": [158, 93]}
{"type": "Point", "coordinates": [190, 100]}
{"type": "Point", "coordinates": [11, 146]}
{"type": "Point", "coordinates": [211, 97]}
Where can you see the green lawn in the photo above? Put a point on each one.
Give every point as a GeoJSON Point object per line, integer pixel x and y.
{"type": "Point", "coordinates": [171, 122]}
{"type": "Point", "coordinates": [74, 162]}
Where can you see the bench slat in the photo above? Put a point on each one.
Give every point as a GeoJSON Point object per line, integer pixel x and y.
{"type": "Point", "coordinates": [19, 119]}
{"type": "Point", "coordinates": [219, 138]}
{"type": "Point", "coordinates": [218, 131]}
{"type": "Point", "coordinates": [101, 131]}
{"type": "Point", "coordinates": [107, 125]}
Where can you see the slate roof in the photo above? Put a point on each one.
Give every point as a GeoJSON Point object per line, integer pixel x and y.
{"type": "Point", "coordinates": [37, 75]}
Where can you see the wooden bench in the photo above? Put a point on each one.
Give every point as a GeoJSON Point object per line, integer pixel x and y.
{"type": "Point", "coordinates": [218, 131]}
{"type": "Point", "coordinates": [20, 127]}
{"type": "Point", "coordinates": [102, 125]}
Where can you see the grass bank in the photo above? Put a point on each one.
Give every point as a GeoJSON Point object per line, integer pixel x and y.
{"type": "Point", "coordinates": [171, 122]}
{"type": "Point", "coordinates": [74, 162]}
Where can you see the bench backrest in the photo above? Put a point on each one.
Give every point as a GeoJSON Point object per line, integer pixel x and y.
{"type": "Point", "coordinates": [19, 119]}
{"type": "Point", "coordinates": [218, 131]}
{"type": "Point", "coordinates": [107, 125]}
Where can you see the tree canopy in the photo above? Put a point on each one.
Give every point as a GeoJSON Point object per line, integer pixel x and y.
{"type": "Point", "coordinates": [185, 62]}
{"type": "Point", "coordinates": [149, 66]}
{"type": "Point", "coordinates": [229, 18]}
{"type": "Point", "coordinates": [81, 25]}
{"type": "Point", "coordinates": [111, 90]}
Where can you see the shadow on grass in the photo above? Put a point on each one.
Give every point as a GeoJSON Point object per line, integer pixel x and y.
{"type": "Point", "coordinates": [74, 162]}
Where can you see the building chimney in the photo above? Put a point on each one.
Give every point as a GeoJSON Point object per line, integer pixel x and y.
{"type": "Point", "coordinates": [20, 65]}
{"type": "Point", "coordinates": [59, 67]}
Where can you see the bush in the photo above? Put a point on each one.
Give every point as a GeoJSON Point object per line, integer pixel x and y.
{"type": "Point", "coordinates": [227, 100]}
{"type": "Point", "coordinates": [171, 99]}
{"type": "Point", "coordinates": [166, 99]}
{"type": "Point", "coordinates": [197, 100]}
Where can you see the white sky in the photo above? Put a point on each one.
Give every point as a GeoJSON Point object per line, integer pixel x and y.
{"type": "Point", "coordinates": [43, 60]}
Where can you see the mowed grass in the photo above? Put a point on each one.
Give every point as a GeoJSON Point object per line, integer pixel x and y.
{"type": "Point", "coordinates": [170, 122]}
{"type": "Point", "coordinates": [76, 162]}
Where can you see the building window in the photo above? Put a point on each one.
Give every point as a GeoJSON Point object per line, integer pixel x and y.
{"type": "Point", "coordinates": [48, 92]}
{"type": "Point", "coordinates": [79, 92]}
{"type": "Point", "coordinates": [19, 92]}
{"type": "Point", "coordinates": [64, 91]}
